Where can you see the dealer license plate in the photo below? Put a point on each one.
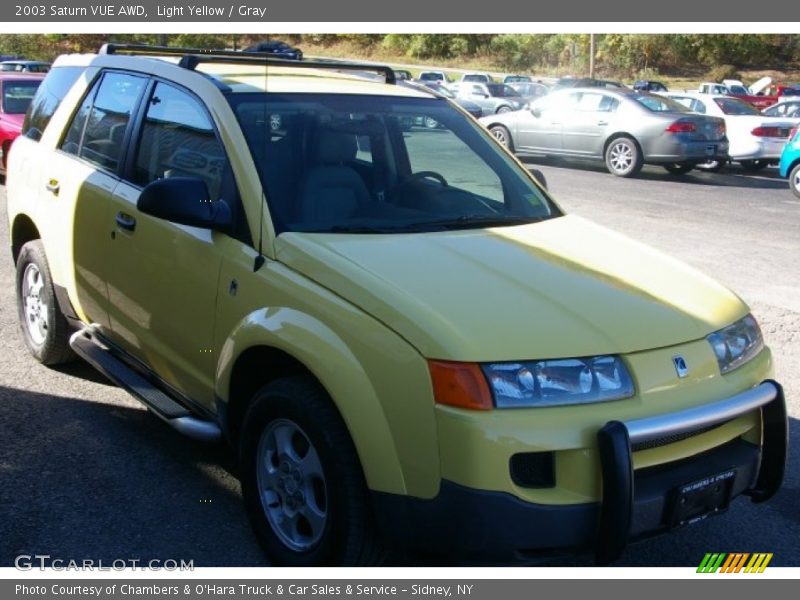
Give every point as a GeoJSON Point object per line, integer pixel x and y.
{"type": "Point", "coordinates": [700, 499]}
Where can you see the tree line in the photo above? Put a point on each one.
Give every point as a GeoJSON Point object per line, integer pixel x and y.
{"type": "Point", "coordinates": [622, 55]}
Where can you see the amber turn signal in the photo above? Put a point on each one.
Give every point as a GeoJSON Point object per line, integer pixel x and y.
{"type": "Point", "coordinates": [460, 384]}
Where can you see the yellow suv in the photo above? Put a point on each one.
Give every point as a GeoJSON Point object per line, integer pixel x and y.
{"type": "Point", "coordinates": [405, 337]}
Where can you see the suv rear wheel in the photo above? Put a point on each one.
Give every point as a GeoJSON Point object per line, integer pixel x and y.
{"type": "Point", "coordinates": [44, 328]}
{"type": "Point", "coordinates": [301, 479]}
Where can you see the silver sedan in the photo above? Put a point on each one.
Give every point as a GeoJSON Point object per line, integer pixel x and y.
{"type": "Point", "coordinates": [623, 128]}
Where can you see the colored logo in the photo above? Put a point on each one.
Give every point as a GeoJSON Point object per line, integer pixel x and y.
{"type": "Point", "coordinates": [680, 366]}
{"type": "Point", "coordinates": [735, 562]}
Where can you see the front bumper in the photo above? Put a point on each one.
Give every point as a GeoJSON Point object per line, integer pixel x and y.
{"type": "Point", "coordinates": [615, 441]}
{"type": "Point", "coordinates": [497, 526]}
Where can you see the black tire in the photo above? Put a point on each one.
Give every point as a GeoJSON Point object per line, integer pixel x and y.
{"type": "Point", "coordinates": [49, 341]}
{"type": "Point", "coordinates": [753, 165]}
{"type": "Point", "coordinates": [502, 135]}
{"type": "Point", "coordinates": [623, 157]}
{"type": "Point", "coordinates": [503, 109]}
{"type": "Point", "coordinates": [712, 166]}
{"type": "Point", "coordinates": [794, 180]}
{"type": "Point", "coordinates": [348, 536]}
{"type": "Point", "coordinates": [679, 168]}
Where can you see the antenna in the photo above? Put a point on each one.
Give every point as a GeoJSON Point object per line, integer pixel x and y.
{"type": "Point", "coordinates": [260, 260]}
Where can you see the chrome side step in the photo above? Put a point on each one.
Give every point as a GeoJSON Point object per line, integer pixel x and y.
{"type": "Point", "coordinates": [176, 415]}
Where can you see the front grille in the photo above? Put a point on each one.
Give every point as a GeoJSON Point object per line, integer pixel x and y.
{"type": "Point", "coordinates": [671, 439]}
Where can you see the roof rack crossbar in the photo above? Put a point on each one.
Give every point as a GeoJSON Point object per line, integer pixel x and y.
{"type": "Point", "coordinates": [191, 57]}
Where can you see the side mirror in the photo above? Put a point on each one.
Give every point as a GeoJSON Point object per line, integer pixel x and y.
{"type": "Point", "coordinates": [536, 112]}
{"type": "Point", "coordinates": [539, 177]}
{"type": "Point", "coordinates": [185, 200]}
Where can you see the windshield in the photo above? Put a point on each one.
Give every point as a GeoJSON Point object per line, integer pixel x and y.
{"type": "Point", "coordinates": [17, 96]}
{"type": "Point", "coordinates": [738, 90]}
{"type": "Point", "coordinates": [501, 90]}
{"type": "Point", "coordinates": [660, 104]}
{"type": "Point", "coordinates": [732, 106]}
{"type": "Point", "coordinates": [374, 164]}
{"type": "Point", "coordinates": [440, 89]}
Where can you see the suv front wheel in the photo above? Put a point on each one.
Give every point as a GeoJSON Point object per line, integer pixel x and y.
{"type": "Point", "coordinates": [301, 479]}
{"type": "Point", "coordinates": [44, 327]}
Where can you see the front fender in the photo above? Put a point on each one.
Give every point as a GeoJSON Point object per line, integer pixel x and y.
{"type": "Point", "coordinates": [381, 394]}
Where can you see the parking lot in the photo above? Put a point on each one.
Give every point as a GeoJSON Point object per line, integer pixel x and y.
{"type": "Point", "coordinates": [86, 472]}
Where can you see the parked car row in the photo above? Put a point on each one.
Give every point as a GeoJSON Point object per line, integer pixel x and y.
{"type": "Point", "coordinates": [625, 128]}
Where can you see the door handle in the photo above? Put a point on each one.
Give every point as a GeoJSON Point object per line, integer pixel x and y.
{"type": "Point", "coordinates": [53, 186]}
{"type": "Point", "coordinates": [126, 221]}
{"type": "Point", "coordinates": [602, 123]}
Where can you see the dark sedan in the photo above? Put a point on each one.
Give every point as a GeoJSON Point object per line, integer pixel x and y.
{"type": "Point", "coordinates": [277, 49]}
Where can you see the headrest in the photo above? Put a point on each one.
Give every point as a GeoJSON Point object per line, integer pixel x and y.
{"type": "Point", "coordinates": [334, 148]}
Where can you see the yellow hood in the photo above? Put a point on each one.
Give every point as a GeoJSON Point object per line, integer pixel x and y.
{"type": "Point", "coordinates": [563, 287]}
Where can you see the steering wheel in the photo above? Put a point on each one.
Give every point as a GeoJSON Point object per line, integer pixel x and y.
{"type": "Point", "coordinates": [428, 175]}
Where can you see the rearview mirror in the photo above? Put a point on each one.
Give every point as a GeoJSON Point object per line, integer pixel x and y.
{"type": "Point", "coordinates": [186, 201]}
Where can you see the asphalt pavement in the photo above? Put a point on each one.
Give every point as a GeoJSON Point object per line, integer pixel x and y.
{"type": "Point", "coordinates": [86, 472]}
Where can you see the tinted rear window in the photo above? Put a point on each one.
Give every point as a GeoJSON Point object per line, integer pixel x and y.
{"type": "Point", "coordinates": [660, 104]}
{"type": "Point", "coordinates": [732, 106]}
{"type": "Point", "coordinates": [501, 90]}
{"type": "Point", "coordinates": [47, 99]}
{"type": "Point", "coordinates": [17, 96]}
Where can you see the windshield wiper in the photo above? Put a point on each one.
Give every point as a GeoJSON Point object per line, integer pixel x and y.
{"type": "Point", "coordinates": [462, 222]}
{"type": "Point", "coordinates": [467, 221]}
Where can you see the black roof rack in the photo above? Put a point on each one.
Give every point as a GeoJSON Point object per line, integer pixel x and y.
{"type": "Point", "coordinates": [191, 57]}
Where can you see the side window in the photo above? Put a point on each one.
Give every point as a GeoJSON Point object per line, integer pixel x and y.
{"type": "Point", "coordinates": [47, 99]}
{"type": "Point", "coordinates": [687, 102]}
{"type": "Point", "coordinates": [98, 128]}
{"type": "Point", "coordinates": [593, 102]}
{"type": "Point", "coordinates": [698, 107]}
{"type": "Point", "coordinates": [476, 89]}
{"type": "Point", "coordinates": [178, 140]}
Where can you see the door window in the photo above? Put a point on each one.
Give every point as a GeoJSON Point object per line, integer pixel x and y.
{"type": "Point", "coordinates": [97, 131]}
{"type": "Point", "coordinates": [178, 140]}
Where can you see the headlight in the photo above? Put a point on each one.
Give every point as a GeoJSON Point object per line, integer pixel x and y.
{"type": "Point", "coordinates": [558, 381]}
{"type": "Point", "coordinates": [737, 343]}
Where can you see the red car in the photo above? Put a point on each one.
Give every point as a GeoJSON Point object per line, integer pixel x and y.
{"type": "Point", "coordinates": [16, 93]}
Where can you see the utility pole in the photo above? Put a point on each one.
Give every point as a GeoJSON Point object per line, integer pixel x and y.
{"type": "Point", "coordinates": [591, 55]}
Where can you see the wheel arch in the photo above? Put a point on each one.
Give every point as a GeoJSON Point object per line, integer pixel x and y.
{"type": "Point", "coordinates": [278, 342]}
{"type": "Point", "coordinates": [622, 134]}
{"type": "Point", "coordinates": [23, 231]}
